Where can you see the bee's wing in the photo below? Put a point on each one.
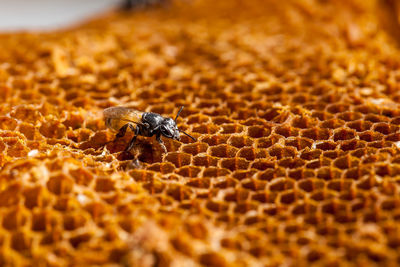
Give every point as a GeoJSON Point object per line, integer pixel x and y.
{"type": "Point", "coordinates": [116, 117]}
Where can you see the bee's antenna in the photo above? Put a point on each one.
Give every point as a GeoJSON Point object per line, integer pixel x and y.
{"type": "Point", "coordinates": [177, 115]}
{"type": "Point", "coordinates": [194, 139]}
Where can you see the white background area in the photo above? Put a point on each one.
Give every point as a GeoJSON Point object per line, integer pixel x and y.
{"type": "Point", "coordinates": [49, 14]}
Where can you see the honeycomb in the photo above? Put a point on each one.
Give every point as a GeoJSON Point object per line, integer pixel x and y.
{"type": "Point", "coordinates": [295, 105]}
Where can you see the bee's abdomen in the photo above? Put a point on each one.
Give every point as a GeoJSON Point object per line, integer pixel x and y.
{"type": "Point", "coordinates": [116, 117]}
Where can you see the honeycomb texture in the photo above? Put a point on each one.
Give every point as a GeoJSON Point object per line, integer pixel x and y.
{"type": "Point", "coordinates": [295, 105]}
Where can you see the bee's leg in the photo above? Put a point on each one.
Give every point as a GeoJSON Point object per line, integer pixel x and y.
{"type": "Point", "coordinates": [131, 144]}
{"type": "Point", "coordinates": [133, 140]}
{"type": "Point", "coordinates": [122, 131]}
{"type": "Point", "coordinates": [160, 141]}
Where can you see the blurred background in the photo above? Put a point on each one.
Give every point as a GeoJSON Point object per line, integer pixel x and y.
{"type": "Point", "coordinates": [49, 14]}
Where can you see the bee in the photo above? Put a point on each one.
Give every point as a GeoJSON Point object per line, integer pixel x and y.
{"type": "Point", "coordinates": [119, 119]}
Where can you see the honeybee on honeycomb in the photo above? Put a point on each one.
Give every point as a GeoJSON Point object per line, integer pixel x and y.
{"type": "Point", "coordinates": [147, 124]}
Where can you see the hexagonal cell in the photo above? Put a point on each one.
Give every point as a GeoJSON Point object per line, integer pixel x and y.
{"type": "Point", "coordinates": [315, 133]}
{"type": "Point", "coordinates": [195, 148]}
{"type": "Point", "coordinates": [16, 147]}
{"type": "Point", "coordinates": [262, 164]}
{"type": "Point", "coordinates": [333, 207]}
{"type": "Point", "coordinates": [385, 128]}
{"type": "Point", "coordinates": [379, 144]}
{"type": "Point", "coordinates": [359, 125]}
{"type": "Point", "coordinates": [350, 116]}
{"type": "Point", "coordinates": [395, 121]}
{"type": "Point", "coordinates": [303, 208]}
{"type": "Point", "coordinates": [282, 152]}
{"type": "Point", "coordinates": [96, 209]}
{"type": "Point", "coordinates": [35, 197]}
{"type": "Point", "coordinates": [73, 221]}
{"type": "Point", "coordinates": [289, 197]}
{"type": "Point", "coordinates": [81, 176]}
{"type": "Point", "coordinates": [375, 118]}
{"type": "Point", "coordinates": [326, 145]}
{"type": "Point", "coordinates": [258, 131]}
{"type": "Point", "coordinates": [79, 239]}
{"type": "Point", "coordinates": [238, 195]}
{"type": "Point", "coordinates": [197, 118]}
{"type": "Point", "coordinates": [351, 145]}
{"type": "Point", "coordinates": [215, 206]}
{"type": "Point", "coordinates": [267, 142]}
{"type": "Point", "coordinates": [244, 207]}
{"type": "Point", "coordinates": [328, 173]}
{"type": "Point", "coordinates": [15, 219]}
{"type": "Point", "coordinates": [30, 131]}
{"type": "Point", "coordinates": [332, 123]}
{"type": "Point", "coordinates": [245, 113]}
{"type": "Point", "coordinates": [240, 141]}
{"type": "Point", "coordinates": [271, 174]}
{"type": "Point", "coordinates": [205, 129]}
{"type": "Point", "coordinates": [225, 182]}
{"type": "Point", "coordinates": [321, 115]}
{"type": "Point", "coordinates": [221, 120]}
{"type": "Point", "coordinates": [343, 134]}
{"type": "Point", "coordinates": [301, 173]}
{"type": "Point", "coordinates": [231, 128]}
{"type": "Point", "coordinates": [320, 195]}
{"type": "Point", "coordinates": [310, 154]}
{"type": "Point", "coordinates": [52, 129]}
{"type": "Point", "coordinates": [248, 153]}
{"type": "Point", "coordinates": [235, 164]}
{"type": "Point", "coordinates": [346, 162]}
{"type": "Point", "coordinates": [395, 137]}
{"type": "Point", "coordinates": [214, 140]}
{"type": "Point", "coordinates": [179, 159]}
{"type": "Point", "coordinates": [265, 197]}
{"type": "Point", "coordinates": [281, 184]}
{"type": "Point", "coordinates": [164, 168]}
{"type": "Point", "coordinates": [311, 184]}
{"type": "Point", "coordinates": [223, 151]}
{"type": "Point", "coordinates": [333, 154]}
{"type": "Point", "coordinates": [60, 184]}
{"type": "Point", "coordinates": [43, 221]}
{"type": "Point", "coordinates": [303, 122]}
{"type": "Point", "coordinates": [286, 131]}
{"type": "Point", "coordinates": [206, 161]}
{"type": "Point", "coordinates": [356, 172]}
{"type": "Point", "coordinates": [299, 142]}
{"type": "Point", "coordinates": [253, 184]}
{"type": "Point", "coordinates": [27, 113]}
{"type": "Point", "coordinates": [179, 192]}
{"type": "Point", "coordinates": [337, 108]}
{"type": "Point", "coordinates": [255, 122]}
{"type": "Point", "coordinates": [270, 114]}
{"type": "Point", "coordinates": [144, 175]}
{"type": "Point", "coordinates": [340, 185]}
{"type": "Point", "coordinates": [189, 171]}
{"type": "Point", "coordinates": [199, 182]}
{"type": "Point", "coordinates": [215, 172]}
{"type": "Point", "coordinates": [104, 185]}
{"type": "Point", "coordinates": [7, 123]}
{"type": "Point", "coordinates": [212, 259]}
{"type": "Point", "coordinates": [291, 163]}
{"type": "Point", "coordinates": [243, 174]}
{"type": "Point", "coordinates": [21, 241]}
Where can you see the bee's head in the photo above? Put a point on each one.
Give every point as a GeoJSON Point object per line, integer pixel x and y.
{"type": "Point", "coordinates": [169, 129]}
